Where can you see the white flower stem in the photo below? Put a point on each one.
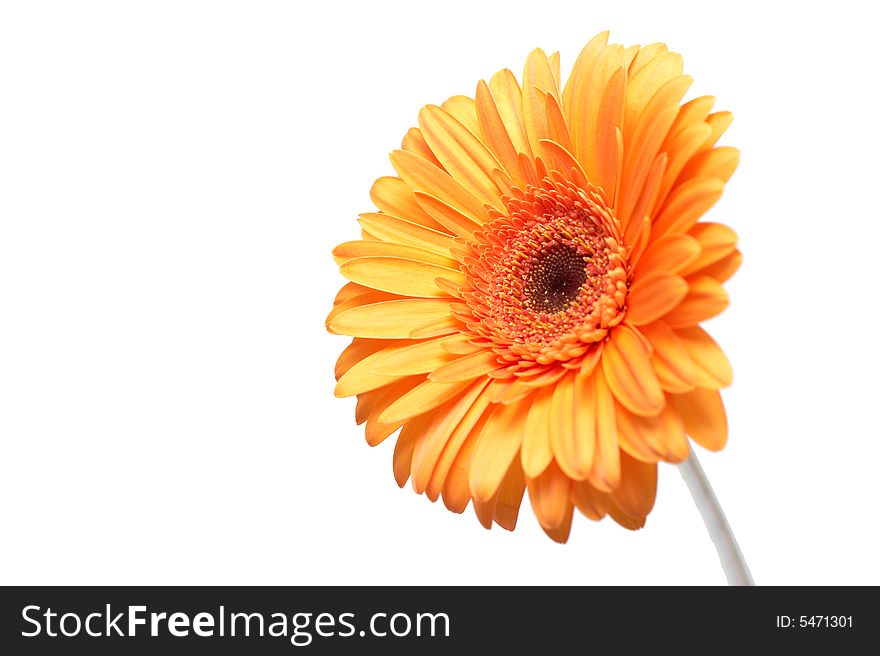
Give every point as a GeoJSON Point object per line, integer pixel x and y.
{"type": "Point", "coordinates": [732, 560]}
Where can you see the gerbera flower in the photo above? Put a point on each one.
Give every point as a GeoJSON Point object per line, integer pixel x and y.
{"type": "Point", "coordinates": [525, 302]}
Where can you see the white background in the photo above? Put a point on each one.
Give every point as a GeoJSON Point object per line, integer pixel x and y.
{"type": "Point", "coordinates": [173, 176]}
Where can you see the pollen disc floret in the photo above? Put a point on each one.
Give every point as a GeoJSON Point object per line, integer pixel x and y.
{"type": "Point", "coordinates": [550, 276]}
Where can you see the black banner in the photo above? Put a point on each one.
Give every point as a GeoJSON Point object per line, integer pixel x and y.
{"type": "Point", "coordinates": [436, 620]}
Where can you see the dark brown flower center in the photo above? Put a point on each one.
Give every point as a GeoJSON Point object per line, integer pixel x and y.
{"type": "Point", "coordinates": [555, 279]}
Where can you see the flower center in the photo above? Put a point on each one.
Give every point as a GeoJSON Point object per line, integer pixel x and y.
{"type": "Point", "coordinates": [549, 277]}
{"type": "Point", "coordinates": [554, 280]}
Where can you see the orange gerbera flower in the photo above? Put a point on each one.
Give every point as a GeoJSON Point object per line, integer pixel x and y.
{"type": "Point", "coordinates": [525, 302]}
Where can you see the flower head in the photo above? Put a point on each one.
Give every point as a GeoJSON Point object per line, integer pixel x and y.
{"type": "Point", "coordinates": [525, 303]}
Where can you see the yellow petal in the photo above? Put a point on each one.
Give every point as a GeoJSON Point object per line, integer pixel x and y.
{"type": "Point", "coordinates": [537, 82]}
{"type": "Point", "coordinates": [414, 142]}
{"type": "Point", "coordinates": [712, 369]}
{"type": "Point", "coordinates": [573, 442]}
{"type": "Point", "coordinates": [398, 275]}
{"type": "Point", "coordinates": [536, 451]}
{"type": "Point", "coordinates": [360, 300]}
{"type": "Point", "coordinates": [462, 154]}
{"type": "Point", "coordinates": [352, 249]}
{"type": "Point", "coordinates": [393, 196]}
{"type": "Point", "coordinates": [456, 222]}
{"type": "Point", "coordinates": [495, 450]}
{"type": "Point", "coordinates": [410, 357]}
{"type": "Point", "coordinates": [466, 367]}
{"type": "Point", "coordinates": [605, 473]}
{"type": "Point", "coordinates": [653, 296]}
{"type": "Point", "coordinates": [361, 377]}
{"type": "Point", "coordinates": [494, 131]}
{"type": "Point", "coordinates": [356, 351]}
{"type": "Point", "coordinates": [508, 99]}
{"type": "Point", "coordinates": [463, 110]}
{"type": "Point", "coordinates": [705, 420]}
{"type": "Point", "coordinates": [389, 319]}
{"type": "Point", "coordinates": [705, 299]}
{"type": "Point", "coordinates": [627, 366]}
{"type": "Point", "coordinates": [392, 229]}
{"type": "Point", "coordinates": [423, 176]}
{"type": "Point", "coordinates": [423, 397]}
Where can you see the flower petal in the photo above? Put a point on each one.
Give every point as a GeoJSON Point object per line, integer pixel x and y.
{"type": "Point", "coordinates": [423, 397]}
{"type": "Point", "coordinates": [638, 486]}
{"type": "Point", "coordinates": [510, 496]}
{"type": "Point", "coordinates": [393, 229]}
{"type": "Point", "coordinates": [462, 154]}
{"type": "Point", "coordinates": [466, 367]}
{"type": "Point", "coordinates": [548, 494]}
{"type": "Point", "coordinates": [705, 420]}
{"type": "Point", "coordinates": [393, 196]}
{"type": "Point", "coordinates": [675, 369]}
{"type": "Point", "coordinates": [712, 369]}
{"type": "Point", "coordinates": [573, 425]}
{"type": "Point", "coordinates": [497, 447]}
{"type": "Point", "coordinates": [423, 176]}
{"type": "Point", "coordinates": [605, 473]}
{"type": "Point", "coordinates": [670, 253]}
{"type": "Point", "coordinates": [536, 450]}
{"type": "Point", "coordinates": [398, 275]}
{"type": "Point", "coordinates": [389, 319]}
{"type": "Point", "coordinates": [716, 240]}
{"type": "Point", "coordinates": [685, 204]}
{"type": "Point", "coordinates": [653, 296]}
{"type": "Point", "coordinates": [705, 299]}
{"type": "Point", "coordinates": [354, 249]}
{"type": "Point", "coordinates": [627, 366]}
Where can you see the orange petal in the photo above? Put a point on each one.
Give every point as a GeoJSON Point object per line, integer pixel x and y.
{"type": "Point", "coordinates": [508, 99]}
{"type": "Point", "coordinates": [412, 432]}
{"type": "Point", "coordinates": [638, 486]}
{"type": "Point", "coordinates": [654, 295]}
{"type": "Point", "coordinates": [498, 445]}
{"type": "Point", "coordinates": [589, 501]}
{"type": "Point", "coordinates": [573, 440]}
{"type": "Point", "coordinates": [712, 369]}
{"type": "Point", "coordinates": [414, 142]}
{"type": "Point", "coordinates": [560, 533]}
{"type": "Point", "coordinates": [439, 433]}
{"type": "Point", "coordinates": [705, 420]}
{"type": "Point", "coordinates": [672, 362]}
{"type": "Point", "coordinates": [670, 253]}
{"type": "Point", "coordinates": [627, 366]}
{"type": "Point", "coordinates": [685, 204]}
{"type": "Point", "coordinates": [662, 436]}
{"type": "Point", "coordinates": [510, 496]}
{"type": "Point", "coordinates": [494, 131]}
{"type": "Point", "coordinates": [548, 495]}
{"type": "Point", "coordinates": [725, 268]}
{"type": "Point", "coordinates": [716, 240]}
{"type": "Point", "coordinates": [705, 299]}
